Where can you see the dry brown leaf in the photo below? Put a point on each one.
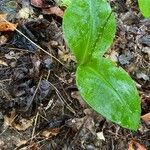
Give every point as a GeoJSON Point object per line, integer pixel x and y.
{"type": "Point", "coordinates": [66, 57]}
{"type": "Point", "coordinates": [23, 124]}
{"type": "Point", "coordinates": [50, 132]}
{"type": "Point", "coordinates": [21, 142]}
{"type": "Point", "coordinates": [53, 10]}
{"type": "Point", "coordinates": [2, 17]}
{"type": "Point", "coordinates": [138, 146]}
{"type": "Point", "coordinates": [146, 117]}
{"type": "Point", "coordinates": [100, 136]}
{"type": "Point", "coordinates": [3, 63]}
{"type": "Point", "coordinates": [37, 3]}
{"type": "Point", "coordinates": [6, 26]}
{"type": "Point", "coordinates": [8, 120]}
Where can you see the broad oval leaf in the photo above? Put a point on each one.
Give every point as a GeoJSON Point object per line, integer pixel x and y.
{"type": "Point", "coordinates": [110, 91]}
{"type": "Point", "coordinates": [145, 7]}
{"type": "Point", "coordinates": [89, 27]}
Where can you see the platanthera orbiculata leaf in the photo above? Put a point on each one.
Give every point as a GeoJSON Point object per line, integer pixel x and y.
{"type": "Point", "coordinates": [145, 7]}
{"type": "Point", "coordinates": [89, 28]}
{"type": "Point", "coordinates": [110, 91]}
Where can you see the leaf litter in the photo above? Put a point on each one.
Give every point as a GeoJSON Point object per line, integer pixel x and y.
{"type": "Point", "coordinates": [27, 75]}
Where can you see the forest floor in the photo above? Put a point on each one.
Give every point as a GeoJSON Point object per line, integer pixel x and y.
{"type": "Point", "coordinates": [40, 106]}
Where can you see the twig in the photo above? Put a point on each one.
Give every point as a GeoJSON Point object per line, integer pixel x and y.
{"type": "Point", "coordinates": [34, 43]}
{"type": "Point", "coordinates": [35, 122]}
{"type": "Point", "coordinates": [62, 99]}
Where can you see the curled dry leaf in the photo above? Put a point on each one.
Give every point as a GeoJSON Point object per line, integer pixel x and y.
{"type": "Point", "coordinates": [53, 10]}
{"type": "Point", "coordinates": [146, 117]}
{"type": "Point", "coordinates": [134, 144]}
{"type": "Point", "coordinates": [5, 25]}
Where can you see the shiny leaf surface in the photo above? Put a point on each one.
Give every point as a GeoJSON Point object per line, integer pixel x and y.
{"type": "Point", "coordinates": [110, 91]}
{"type": "Point", "coordinates": [89, 27]}
{"type": "Point", "coordinates": [145, 7]}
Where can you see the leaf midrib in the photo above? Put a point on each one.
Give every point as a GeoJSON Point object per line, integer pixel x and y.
{"type": "Point", "coordinates": [100, 34]}
{"type": "Point", "coordinates": [91, 25]}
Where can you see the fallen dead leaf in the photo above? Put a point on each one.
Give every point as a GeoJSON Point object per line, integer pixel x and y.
{"type": "Point", "coordinates": [3, 63]}
{"type": "Point", "coordinates": [53, 10]}
{"type": "Point", "coordinates": [50, 132]}
{"type": "Point", "coordinates": [66, 57]}
{"type": "Point", "coordinates": [100, 136]}
{"type": "Point", "coordinates": [113, 56]}
{"type": "Point", "coordinates": [138, 146]}
{"type": "Point", "coordinates": [5, 25]}
{"type": "Point", "coordinates": [23, 124]}
{"type": "Point", "coordinates": [146, 117]}
{"type": "Point", "coordinates": [37, 3]}
{"type": "Point", "coordinates": [2, 17]}
{"type": "Point", "coordinates": [8, 120]}
{"type": "Point", "coordinates": [21, 142]}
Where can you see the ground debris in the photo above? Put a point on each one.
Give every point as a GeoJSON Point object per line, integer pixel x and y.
{"type": "Point", "coordinates": [137, 145]}
{"type": "Point", "coordinates": [40, 105]}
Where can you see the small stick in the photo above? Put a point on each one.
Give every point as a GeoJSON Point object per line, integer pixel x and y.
{"type": "Point", "coordinates": [35, 44]}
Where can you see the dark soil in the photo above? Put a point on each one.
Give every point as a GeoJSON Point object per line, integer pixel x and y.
{"type": "Point", "coordinates": [40, 106]}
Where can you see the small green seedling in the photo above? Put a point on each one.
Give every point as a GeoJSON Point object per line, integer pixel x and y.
{"type": "Point", "coordinates": [144, 6]}
{"type": "Point", "coordinates": [89, 29]}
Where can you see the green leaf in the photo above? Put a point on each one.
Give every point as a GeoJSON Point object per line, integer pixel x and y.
{"type": "Point", "coordinates": [89, 27]}
{"type": "Point", "coordinates": [64, 3]}
{"type": "Point", "coordinates": [110, 91]}
{"type": "Point", "coordinates": [145, 7]}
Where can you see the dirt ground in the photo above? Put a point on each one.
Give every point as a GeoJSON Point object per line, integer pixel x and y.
{"type": "Point", "coordinates": [40, 106]}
